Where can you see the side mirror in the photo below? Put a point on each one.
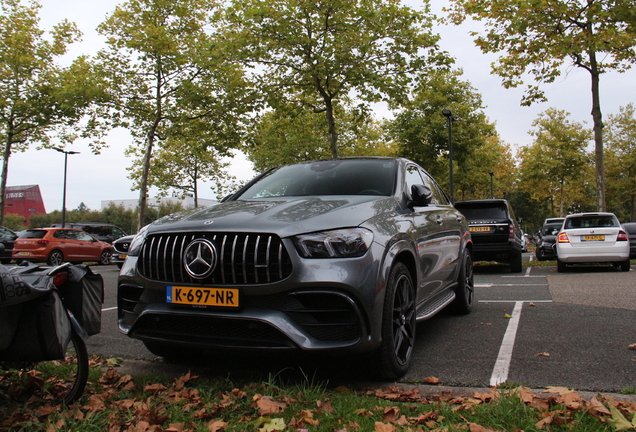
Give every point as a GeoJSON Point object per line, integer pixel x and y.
{"type": "Point", "coordinates": [421, 196]}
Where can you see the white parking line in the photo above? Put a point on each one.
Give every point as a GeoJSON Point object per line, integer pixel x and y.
{"type": "Point", "coordinates": [502, 365]}
{"type": "Point", "coordinates": [109, 309]}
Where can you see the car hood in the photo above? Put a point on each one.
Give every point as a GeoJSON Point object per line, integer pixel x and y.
{"type": "Point", "coordinates": [283, 216]}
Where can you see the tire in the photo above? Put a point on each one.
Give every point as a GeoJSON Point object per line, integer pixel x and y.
{"type": "Point", "coordinates": [105, 257]}
{"type": "Point", "coordinates": [465, 291]}
{"type": "Point", "coordinates": [561, 268]}
{"type": "Point", "coordinates": [516, 263]}
{"type": "Point", "coordinates": [539, 255]}
{"type": "Point", "coordinates": [120, 265]}
{"type": "Point", "coordinates": [625, 265]}
{"type": "Point", "coordinates": [393, 357]}
{"type": "Point", "coordinates": [64, 380]}
{"type": "Point", "coordinates": [5, 260]}
{"type": "Point", "coordinates": [56, 258]}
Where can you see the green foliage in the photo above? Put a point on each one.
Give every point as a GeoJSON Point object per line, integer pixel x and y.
{"type": "Point", "coordinates": [315, 53]}
{"type": "Point", "coordinates": [38, 98]}
{"type": "Point", "coordinates": [538, 37]}
{"type": "Point", "coordinates": [620, 163]}
{"type": "Point", "coordinates": [165, 72]}
{"type": "Point", "coordinates": [421, 133]}
{"type": "Point", "coordinates": [291, 134]}
{"type": "Point", "coordinates": [556, 167]}
{"type": "Point", "coordinates": [14, 222]}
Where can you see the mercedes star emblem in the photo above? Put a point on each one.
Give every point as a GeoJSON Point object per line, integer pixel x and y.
{"type": "Point", "coordinates": [199, 258]}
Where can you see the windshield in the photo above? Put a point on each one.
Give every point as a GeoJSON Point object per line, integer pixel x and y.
{"type": "Point", "coordinates": [333, 177]}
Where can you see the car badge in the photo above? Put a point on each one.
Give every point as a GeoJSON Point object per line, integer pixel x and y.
{"type": "Point", "coordinates": [199, 258]}
{"type": "Point", "coordinates": [208, 222]}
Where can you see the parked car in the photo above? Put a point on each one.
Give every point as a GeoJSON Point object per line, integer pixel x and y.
{"type": "Point", "coordinates": [592, 238]}
{"type": "Point", "coordinates": [57, 245]}
{"type": "Point", "coordinates": [546, 239]}
{"type": "Point", "coordinates": [120, 250]}
{"type": "Point", "coordinates": [101, 231]}
{"type": "Point", "coordinates": [495, 230]}
{"type": "Point", "coordinates": [7, 239]}
{"type": "Point", "coordinates": [630, 229]}
{"type": "Point", "coordinates": [337, 256]}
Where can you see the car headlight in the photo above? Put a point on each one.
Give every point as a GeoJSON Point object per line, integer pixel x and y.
{"type": "Point", "coordinates": [137, 242]}
{"type": "Point", "coordinates": [342, 243]}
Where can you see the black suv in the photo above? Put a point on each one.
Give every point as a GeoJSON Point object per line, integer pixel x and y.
{"type": "Point", "coordinates": [496, 233]}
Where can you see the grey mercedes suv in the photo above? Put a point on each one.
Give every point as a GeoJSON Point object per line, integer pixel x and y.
{"type": "Point", "coordinates": [339, 256]}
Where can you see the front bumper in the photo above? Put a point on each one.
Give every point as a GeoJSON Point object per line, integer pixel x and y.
{"type": "Point", "coordinates": [325, 305]}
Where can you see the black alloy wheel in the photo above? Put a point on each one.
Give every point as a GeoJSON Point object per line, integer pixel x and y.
{"type": "Point", "coordinates": [465, 291]}
{"type": "Point", "coordinates": [398, 324]}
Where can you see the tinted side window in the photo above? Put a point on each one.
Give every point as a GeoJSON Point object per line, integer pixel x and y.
{"type": "Point", "coordinates": [34, 234]}
{"type": "Point", "coordinates": [413, 177]}
{"type": "Point", "coordinates": [438, 196]}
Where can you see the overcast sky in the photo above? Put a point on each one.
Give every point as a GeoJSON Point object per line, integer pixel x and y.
{"type": "Point", "coordinates": [96, 178]}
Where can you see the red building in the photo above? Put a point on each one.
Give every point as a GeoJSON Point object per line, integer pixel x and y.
{"type": "Point", "coordinates": [24, 201]}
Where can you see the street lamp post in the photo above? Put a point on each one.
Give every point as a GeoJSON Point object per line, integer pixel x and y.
{"type": "Point", "coordinates": [492, 195]}
{"type": "Point", "coordinates": [449, 116]}
{"type": "Point", "coordinates": [66, 153]}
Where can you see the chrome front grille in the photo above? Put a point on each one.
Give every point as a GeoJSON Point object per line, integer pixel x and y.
{"type": "Point", "coordinates": [242, 258]}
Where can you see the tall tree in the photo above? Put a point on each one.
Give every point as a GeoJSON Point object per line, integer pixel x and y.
{"type": "Point", "coordinates": [166, 71]}
{"type": "Point", "coordinates": [421, 133]}
{"type": "Point", "coordinates": [621, 163]}
{"type": "Point", "coordinates": [322, 51]}
{"type": "Point", "coordinates": [38, 98]}
{"type": "Point", "coordinates": [555, 166]}
{"type": "Point", "coordinates": [181, 164]}
{"type": "Point", "coordinates": [539, 37]}
{"type": "Point", "coordinates": [291, 134]}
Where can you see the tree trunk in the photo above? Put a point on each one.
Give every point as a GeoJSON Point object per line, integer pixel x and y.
{"type": "Point", "coordinates": [333, 135]}
{"type": "Point", "coordinates": [143, 188]}
{"type": "Point", "coordinates": [5, 170]}
{"type": "Point", "coordinates": [150, 139]}
{"type": "Point", "coordinates": [598, 131]}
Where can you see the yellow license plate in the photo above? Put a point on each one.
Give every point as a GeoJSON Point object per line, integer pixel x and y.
{"type": "Point", "coordinates": [24, 253]}
{"type": "Point", "coordinates": [479, 229]}
{"type": "Point", "coordinates": [122, 256]}
{"type": "Point", "coordinates": [593, 238]}
{"type": "Point", "coordinates": [227, 297]}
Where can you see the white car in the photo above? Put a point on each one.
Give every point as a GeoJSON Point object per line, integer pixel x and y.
{"type": "Point", "coordinates": [592, 238]}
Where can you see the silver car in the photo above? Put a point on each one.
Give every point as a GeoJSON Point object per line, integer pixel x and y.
{"type": "Point", "coordinates": [336, 256]}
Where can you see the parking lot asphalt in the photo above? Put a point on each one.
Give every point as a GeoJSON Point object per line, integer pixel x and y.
{"type": "Point", "coordinates": [538, 328]}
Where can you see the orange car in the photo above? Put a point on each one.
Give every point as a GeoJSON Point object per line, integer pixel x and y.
{"type": "Point", "coordinates": [57, 245]}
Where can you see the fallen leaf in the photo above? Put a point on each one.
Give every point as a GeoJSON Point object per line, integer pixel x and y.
{"type": "Point", "coordinates": [532, 304]}
{"type": "Point", "coordinates": [619, 421]}
{"type": "Point", "coordinates": [277, 424]}
{"type": "Point", "coordinates": [267, 405]}
{"type": "Point", "coordinates": [507, 316]}
{"type": "Point", "coordinates": [216, 425]}
{"type": "Point", "coordinates": [390, 414]}
{"type": "Point", "coordinates": [543, 354]}
{"type": "Point", "coordinates": [632, 347]}
{"type": "Point", "coordinates": [324, 407]}
{"type": "Point", "coordinates": [431, 380]}
{"type": "Point", "coordinates": [384, 427]}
